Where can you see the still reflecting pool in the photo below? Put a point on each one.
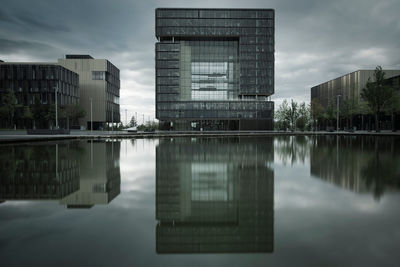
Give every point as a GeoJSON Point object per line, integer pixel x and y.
{"type": "Point", "coordinates": [283, 201]}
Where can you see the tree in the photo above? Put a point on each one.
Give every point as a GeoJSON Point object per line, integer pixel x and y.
{"type": "Point", "coordinates": [39, 112]}
{"type": "Point", "coordinates": [303, 117]}
{"type": "Point", "coordinates": [51, 114]}
{"type": "Point", "coordinates": [282, 116]}
{"type": "Point", "coordinates": [394, 107]}
{"type": "Point", "coordinates": [132, 122]}
{"type": "Point", "coordinates": [377, 94]}
{"type": "Point", "coordinates": [316, 111]}
{"type": "Point", "coordinates": [293, 114]}
{"type": "Point", "coordinates": [28, 116]}
{"type": "Point", "coordinates": [7, 109]}
{"type": "Point", "coordinates": [330, 112]}
{"type": "Point", "coordinates": [348, 109]}
{"type": "Point", "coordinates": [73, 113]}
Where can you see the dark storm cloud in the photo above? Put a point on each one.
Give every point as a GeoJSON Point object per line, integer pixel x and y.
{"type": "Point", "coordinates": [315, 40]}
{"type": "Point", "coordinates": [4, 17]}
{"type": "Point", "coordinates": [29, 21]}
{"type": "Point", "coordinates": [16, 46]}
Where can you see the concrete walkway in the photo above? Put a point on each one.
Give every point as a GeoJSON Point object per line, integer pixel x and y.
{"type": "Point", "coordinates": [21, 136]}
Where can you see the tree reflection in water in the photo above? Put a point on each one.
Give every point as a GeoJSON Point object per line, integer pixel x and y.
{"type": "Point", "coordinates": [358, 163]}
{"type": "Point", "coordinates": [292, 149]}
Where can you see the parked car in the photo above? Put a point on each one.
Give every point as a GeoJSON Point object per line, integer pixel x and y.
{"type": "Point", "coordinates": [132, 129]}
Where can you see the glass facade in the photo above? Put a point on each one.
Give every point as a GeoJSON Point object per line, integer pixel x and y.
{"type": "Point", "coordinates": [39, 81]}
{"type": "Point", "coordinates": [215, 64]}
{"type": "Point", "coordinates": [112, 93]}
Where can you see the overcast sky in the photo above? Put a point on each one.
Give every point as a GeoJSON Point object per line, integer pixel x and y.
{"type": "Point", "coordinates": [315, 41]}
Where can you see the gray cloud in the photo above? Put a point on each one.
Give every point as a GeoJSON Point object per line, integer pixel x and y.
{"type": "Point", "coordinates": [315, 40]}
{"type": "Point", "coordinates": [26, 47]}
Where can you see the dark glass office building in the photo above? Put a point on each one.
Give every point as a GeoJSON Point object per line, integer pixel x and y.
{"type": "Point", "coordinates": [38, 83]}
{"type": "Point", "coordinates": [215, 69]}
{"type": "Point", "coordinates": [39, 80]}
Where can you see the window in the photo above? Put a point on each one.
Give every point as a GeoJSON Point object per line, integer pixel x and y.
{"type": "Point", "coordinates": [209, 69]}
{"type": "Point", "coordinates": [98, 75]}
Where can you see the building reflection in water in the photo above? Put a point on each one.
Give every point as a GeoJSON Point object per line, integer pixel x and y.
{"type": "Point", "coordinates": [214, 195]}
{"type": "Point", "coordinates": [359, 164]}
{"type": "Point", "coordinates": [100, 177]}
{"type": "Point", "coordinates": [39, 171]}
{"type": "Point", "coordinates": [61, 171]}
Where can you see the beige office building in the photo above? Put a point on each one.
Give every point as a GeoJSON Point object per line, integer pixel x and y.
{"type": "Point", "coordinates": [99, 86]}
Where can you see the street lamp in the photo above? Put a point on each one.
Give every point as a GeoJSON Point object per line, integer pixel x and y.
{"type": "Point", "coordinates": [91, 116]}
{"type": "Point", "coordinates": [337, 112]}
{"type": "Point", "coordinates": [126, 117]}
{"type": "Point", "coordinates": [112, 117]}
{"type": "Point", "coordinates": [55, 96]}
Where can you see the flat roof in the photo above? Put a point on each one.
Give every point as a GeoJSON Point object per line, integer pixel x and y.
{"type": "Point", "coordinates": [78, 57]}
{"type": "Point", "coordinates": [28, 63]}
{"type": "Point", "coordinates": [341, 76]}
{"type": "Point", "coordinates": [234, 9]}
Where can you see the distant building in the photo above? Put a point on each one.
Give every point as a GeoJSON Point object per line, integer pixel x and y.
{"type": "Point", "coordinates": [39, 82]}
{"type": "Point", "coordinates": [394, 82]}
{"type": "Point", "coordinates": [215, 68]}
{"type": "Point", "coordinates": [99, 84]}
{"type": "Point", "coordinates": [348, 86]}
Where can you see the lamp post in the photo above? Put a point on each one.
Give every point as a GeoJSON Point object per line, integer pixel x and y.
{"type": "Point", "coordinates": [91, 116]}
{"type": "Point", "coordinates": [55, 97]}
{"type": "Point", "coordinates": [337, 112]}
{"type": "Point", "coordinates": [112, 117]}
{"type": "Point", "coordinates": [126, 117]}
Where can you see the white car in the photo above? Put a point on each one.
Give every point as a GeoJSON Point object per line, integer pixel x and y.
{"type": "Point", "coordinates": [132, 129]}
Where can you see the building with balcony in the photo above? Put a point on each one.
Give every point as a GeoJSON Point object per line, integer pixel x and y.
{"type": "Point", "coordinates": [215, 69]}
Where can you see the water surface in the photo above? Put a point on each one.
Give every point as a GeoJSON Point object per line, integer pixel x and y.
{"type": "Point", "coordinates": [281, 201]}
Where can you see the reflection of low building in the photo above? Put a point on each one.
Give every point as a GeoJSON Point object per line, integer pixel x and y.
{"type": "Point", "coordinates": [214, 195]}
{"type": "Point", "coordinates": [359, 164]}
{"type": "Point", "coordinates": [38, 172]}
{"type": "Point", "coordinates": [334, 161]}
{"type": "Point", "coordinates": [99, 183]}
